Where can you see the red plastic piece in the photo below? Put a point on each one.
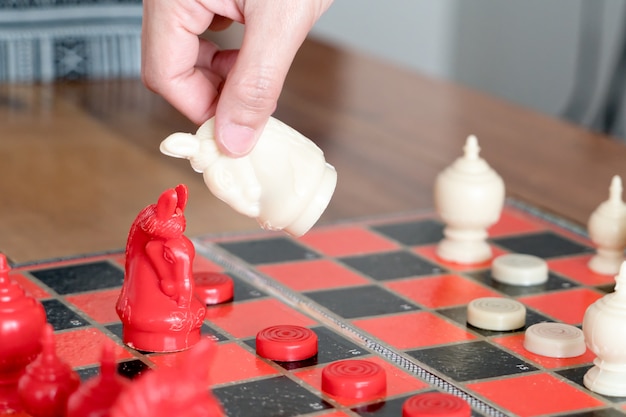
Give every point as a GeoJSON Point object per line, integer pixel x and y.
{"type": "Point", "coordinates": [213, 287]}
{"type": "Point", "coordinates": [95, 397]}
{"type": "Point", "coordinates": [286, 343]}
{"type": "Point", "coordinates": [23, 319]}
{"type": "Point", "coordinates": [436, 404]}
{"type": "Point", "coordinates": [157, 305]}
{"type": "Point", "coordinates": [180, 391]}
{"type": "Point", "coordinates": [48, 381]}
{"type": "Point", "coordinates": [354, 378]}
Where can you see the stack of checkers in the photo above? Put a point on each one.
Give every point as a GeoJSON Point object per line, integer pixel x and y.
{"type": "Point", "coordinates": [550, 339]}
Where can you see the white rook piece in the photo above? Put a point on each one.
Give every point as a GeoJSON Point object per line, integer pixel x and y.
{"type": "Point", "coordinates": [604, 328]}
{"type": "Point", "coordinates": [469, 197]}
{"type": "Point", "coordinates": [285, 182]}
{"type": "Point", "coordinates": [607, 230]}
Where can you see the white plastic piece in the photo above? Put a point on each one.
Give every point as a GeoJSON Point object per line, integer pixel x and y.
{"type": "Point", "coordinates": [519, 269]}
{"type": "Point", "coordinates": [285, 182]}
{"type": "Point", "coordinates": [469, 197]}
{"type": "Point", "coordinates": [555, 340]}
{"type": "Point", "coordinates": [607, 230]}
{"type": "Point", "coordinates": [496, 313]}
{"type": "Point", "coordinates": [604, 327]}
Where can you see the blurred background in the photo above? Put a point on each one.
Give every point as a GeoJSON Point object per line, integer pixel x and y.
{"type": "Point", "coordinates": [565, 58]}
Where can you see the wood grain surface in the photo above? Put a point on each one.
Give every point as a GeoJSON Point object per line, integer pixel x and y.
{"type": "Point", "coordinates": [79, 160]}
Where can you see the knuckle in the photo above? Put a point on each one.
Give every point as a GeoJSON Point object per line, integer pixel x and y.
{"type": "Point", "coordinates": [259, 92]}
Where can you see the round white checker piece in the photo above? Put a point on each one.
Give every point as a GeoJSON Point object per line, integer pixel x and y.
{"type": "Point", "coordinates": [519, 269]}
{"type": "Point", "coordinates": [496, 313]}
{"type": "Point", "coordinates": [555, 340]}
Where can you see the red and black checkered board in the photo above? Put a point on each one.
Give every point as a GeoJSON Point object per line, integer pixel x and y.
{"type": "Point", "coordinates": [370, 289]}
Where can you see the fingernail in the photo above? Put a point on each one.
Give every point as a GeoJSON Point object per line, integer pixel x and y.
{"type": "Point", "coordinates": [237, 139]}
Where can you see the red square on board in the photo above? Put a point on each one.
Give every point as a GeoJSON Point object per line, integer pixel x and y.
{"type": "Point", "coordinates": [246, 319]}
{"type": "Point", "coordinates": [413, 330]}
{"type": "Point", "coordinates": [536, 394]}
{"type": "Point", "coordinates": [567, 306]}
{"type": "Point", "coordinates": [29, 286]}
{"type": "Point", "coordinates": [430, 252]}
{"type": "Point", "coordinates": [346, 240]}
{"type": "Point", "coordinates": [575, 268]}
{"type": "Point", "coordinates": [515, 343]}
{"type": "Point", "coordinates": [398, 381]}
{"type": "Point", "coordinates": [229, 362]}
{"type": "Point", "coordinates": [99, 305]}
{"type": "Point", "coordinates": [312, 275]}
{"type": "Point", "coordinates": [513, 221]}
{"type": "Point", "coordinates": [84, 347]}
{"type": "Point", "coordinates": [441, 290]}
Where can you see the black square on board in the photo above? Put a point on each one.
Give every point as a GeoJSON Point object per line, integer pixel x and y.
{"type": "Point", "coordinates": [116, 329]}
{"type": "Point", "coordinates": [422, 232]}
{"type": "Point", "coordinates": [244, 291]}
{"type": "Point", "coordinates": [364, 301]}
{"type": "Point", "coordinates": [391, 265]}
{"type": "Point", "coordinates": [62, 317]}
{"type": "Point", "coordinates": [473, 360]}
{"type": "Point", "coordinates": [544, 245]}
{"type": "Point", "coordinates": [554, 282]}
{"type": "Point", "coordinates": [78, 278]}
{"type": "Point", "coordinates": [130, 369]}
{"type": "Point", "coordinates": [278, 396]}
{"type": "Point", "coordinates": [331, 347]}
{"type": "Point", "coordinates": [273, 250]}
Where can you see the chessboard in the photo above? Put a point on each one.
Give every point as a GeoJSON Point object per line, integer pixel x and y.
{"type": "Point", "coordinates": [370, 289]}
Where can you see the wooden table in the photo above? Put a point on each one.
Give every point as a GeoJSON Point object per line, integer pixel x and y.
{"type": "Point", "coordinates": [79, 160]}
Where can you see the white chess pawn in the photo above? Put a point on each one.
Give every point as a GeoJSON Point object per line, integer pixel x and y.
{"type": "Point", "coordinates": [604, 328]}
{"type": "Point", "coordinates": [469, 196]}
{"type": "Point", "coordinates": [285, 182]}
{"type": "Point", "coordinates": [607, 230]}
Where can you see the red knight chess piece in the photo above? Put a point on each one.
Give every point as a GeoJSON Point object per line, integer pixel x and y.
{"type": "Point", "coordinates": [157, 305]}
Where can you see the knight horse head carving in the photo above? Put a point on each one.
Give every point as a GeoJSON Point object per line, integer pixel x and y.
{"type": "Point", "coordinates": [157, 304]}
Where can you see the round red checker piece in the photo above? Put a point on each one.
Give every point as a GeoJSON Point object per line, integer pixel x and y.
{"type": "Point", "coordinates": [436, 404]}
{"type": "Point", "coordinates": [286, 343]}
{"type": "Point", "coordinates": [213, 287]}
{"type": "Point", "coordinates": [354, 378]}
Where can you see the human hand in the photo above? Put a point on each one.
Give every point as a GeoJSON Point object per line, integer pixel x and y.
{"type": "Point", "coordinates": [240, 87]}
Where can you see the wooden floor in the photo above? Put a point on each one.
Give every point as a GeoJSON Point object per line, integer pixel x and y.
{"type": "Point", "coordinates": [79, 160]}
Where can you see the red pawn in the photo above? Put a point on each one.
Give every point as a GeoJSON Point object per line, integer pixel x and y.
{"type": "Point", "coordinates": [22, 320]}
{"type": "Point", "coordinates": [48, 381]}
{"type": "Point", "coordinates": [180, 391]}
{"type": "Point", "coordinates": [157, 305]}
{"type": "Point", "coordinates": [95, 397]}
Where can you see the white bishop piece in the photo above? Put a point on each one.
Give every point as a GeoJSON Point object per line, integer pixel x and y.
{"type": "Point", "coordinates": [607, 230]}
{"type": "Point", "coordinates": [604, 328]}
{"type": "Point", "coordinates": [469, 197]}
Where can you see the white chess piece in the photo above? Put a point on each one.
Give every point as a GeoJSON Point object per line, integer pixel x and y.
{"type": "Point", "coordinates": [604, 328]}
{"type": "Point", "coordinates": [285, 182]}
{"type": "Point", "coordinates": [469, 197]}
{"type": "Point", "coordinates": [607, 230]}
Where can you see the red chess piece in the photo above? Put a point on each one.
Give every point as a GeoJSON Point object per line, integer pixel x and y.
{"type": "Point", "coordinates": [48, 381]}
{"type": "Point", "coordinates": [180, 391]}
{"type": "Point", "coordinates": [158, 307]}
{"type": "Point", "coordinates": [22, 320]}
{"type": "Point", "coordinates": [95, 397]}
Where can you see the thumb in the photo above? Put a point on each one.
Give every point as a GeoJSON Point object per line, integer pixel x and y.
{"type": "Point", "coordinates": [272, 35]}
